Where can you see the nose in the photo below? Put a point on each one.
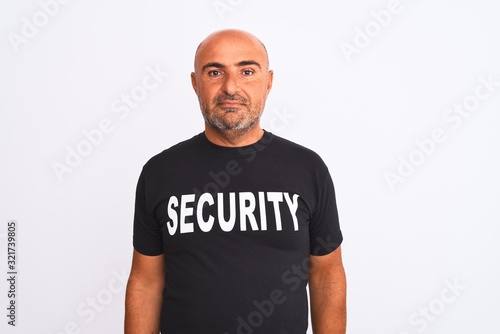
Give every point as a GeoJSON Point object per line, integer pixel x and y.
{"type": "Point", "coordinates": [230, 85]}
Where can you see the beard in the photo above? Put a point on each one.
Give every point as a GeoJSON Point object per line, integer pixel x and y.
{"type": "Point", "coordinates": [231, 122]}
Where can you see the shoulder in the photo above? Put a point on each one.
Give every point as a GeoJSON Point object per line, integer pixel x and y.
{"type": "Point", "coordinates": [287, 148]}
{"type": "Point", "coordinates": [173, 153]}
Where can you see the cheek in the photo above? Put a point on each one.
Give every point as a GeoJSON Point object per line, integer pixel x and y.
{"type": "Point", "coordinates": [208, 92]}
{"type": "Point", "coordinates": [258, 95]}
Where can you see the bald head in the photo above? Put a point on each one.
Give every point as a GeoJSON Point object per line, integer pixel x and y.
{"type": "Point", "coordinates": [231, 37]}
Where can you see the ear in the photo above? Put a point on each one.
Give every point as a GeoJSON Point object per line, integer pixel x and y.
{"type": "Point", "coordinates": [270, 77]}
{"type": "Point", "coordinates": [194, 82]}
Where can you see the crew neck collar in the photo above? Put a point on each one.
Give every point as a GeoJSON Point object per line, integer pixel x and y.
{"type": "Point", "coordinates": [235, 151]}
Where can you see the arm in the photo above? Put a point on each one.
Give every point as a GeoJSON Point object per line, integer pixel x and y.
{"type": "Point", "coordinates": [143, 298]}
{"type": "Point", "coordinates": [327, 289]}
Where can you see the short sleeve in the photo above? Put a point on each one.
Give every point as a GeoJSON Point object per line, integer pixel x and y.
{"type": "Point", "coordinates": [147, 238]}
{"type": "Point", "coordinates": [324, 228]}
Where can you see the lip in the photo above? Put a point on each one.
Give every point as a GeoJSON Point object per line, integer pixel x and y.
{"type": "Point", "coordinates": [230, 104]}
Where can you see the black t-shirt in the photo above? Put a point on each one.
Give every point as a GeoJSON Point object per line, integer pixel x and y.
{"type": "Point", "coordinates": [237, 226]}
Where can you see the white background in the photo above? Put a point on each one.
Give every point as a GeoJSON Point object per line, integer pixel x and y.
{"type": "Point", "coordinates": [362, 113]}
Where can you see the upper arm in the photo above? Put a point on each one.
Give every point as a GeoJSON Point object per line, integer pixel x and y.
{"type": "Point", "coordinates": [148, 269]}
{"type": "Point", "coordinates": [329, 264]}
{"type": "Point", "coordinates": [327, 287]}
{"type": "Point", "coordinates": [143, 298]}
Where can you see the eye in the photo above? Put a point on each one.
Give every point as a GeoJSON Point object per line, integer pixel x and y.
{"type": "Point", "coordinates": [214, 73]}
{"type": "Point", "coordinates": [248, 72]}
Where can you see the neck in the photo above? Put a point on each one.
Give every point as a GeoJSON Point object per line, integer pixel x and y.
{"type": "Point", "coordinates": [234, 138]}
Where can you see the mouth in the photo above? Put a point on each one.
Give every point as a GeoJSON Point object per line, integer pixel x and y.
{"type": "Point", "coordinates": [230, 104]}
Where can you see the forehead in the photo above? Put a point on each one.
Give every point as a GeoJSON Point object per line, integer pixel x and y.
{"type": "Point", "coordinates": [230, 49]}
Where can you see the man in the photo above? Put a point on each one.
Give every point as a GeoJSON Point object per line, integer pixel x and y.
{"type": "Point", "coordinates": [231, 225]}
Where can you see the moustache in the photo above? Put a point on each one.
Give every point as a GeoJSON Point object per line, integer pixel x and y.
{"type": "Point", "coordinates": [228, 97]}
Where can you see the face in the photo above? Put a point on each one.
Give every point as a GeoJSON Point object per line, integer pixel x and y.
{"type": "Point", "coordinates": [232, 82]}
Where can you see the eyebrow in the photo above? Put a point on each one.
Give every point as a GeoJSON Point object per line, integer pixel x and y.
{"type": "Point", "coordinates": [248, 62]}
{"type": "Point", "coordinates": [221, 66]}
